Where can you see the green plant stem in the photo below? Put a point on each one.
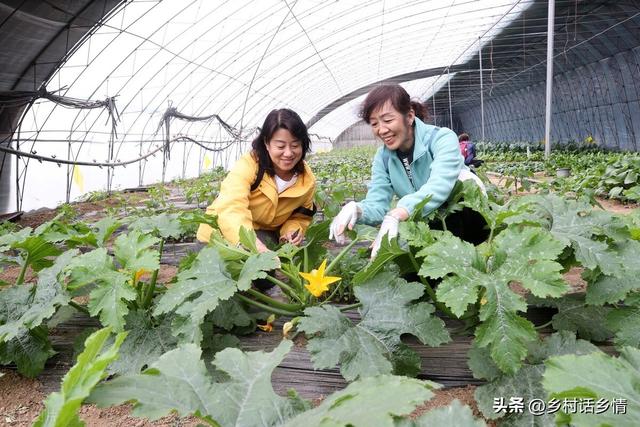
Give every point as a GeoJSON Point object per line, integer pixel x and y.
{"type": "Point", "coordinates": [544, 325]}
{"type": "Point", "coordinates": [351, 306]}
{"type": "Point", "coordinates": [148, 297]}
{"type": "Point", "coordinates": [327, 299]}
{"type": "Point", "coordinates": [285, 288]}
{"type": "Point", "coordinates": [443, 308]}
{"type": "Point", "coordinates": [23, 270]}
{"type": "Point", "coordinates": [79, 307]}
{"type": "Point", "coordinates": [268, 307]}
{"type": "Point", "coordinates": [272, 302]}
{"type": "Point", "coordinates": [289, 276]}
{"type": "Point", "coordinates": [340, 256]}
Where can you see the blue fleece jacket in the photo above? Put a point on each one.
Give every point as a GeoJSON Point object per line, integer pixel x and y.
{"type": "Point", "coordinates": [436, 165]}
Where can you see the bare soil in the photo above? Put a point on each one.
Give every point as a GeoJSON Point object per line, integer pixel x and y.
{"type": "Point", "coordinates": [10, 274]}
{"type": "Point", "coordinates": [95, 209]}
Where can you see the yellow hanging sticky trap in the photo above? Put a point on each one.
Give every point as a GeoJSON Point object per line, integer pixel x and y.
{"type": "Point", "coordinates": [207, 162]}
{"type": "Point", "coordinates": [78, 179]}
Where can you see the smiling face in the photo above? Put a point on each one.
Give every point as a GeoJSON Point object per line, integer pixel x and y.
{"type": "Point", "coordinates": [392, 127]}
{"type": "Point", "coordinates": [285, 151]}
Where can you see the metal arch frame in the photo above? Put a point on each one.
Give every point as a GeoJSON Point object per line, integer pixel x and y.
{"type": "Point", "coordinates": [231, 95]}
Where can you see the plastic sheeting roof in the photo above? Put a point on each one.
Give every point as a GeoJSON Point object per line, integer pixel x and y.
{"type": "Point", "coordinates": [240, 59]}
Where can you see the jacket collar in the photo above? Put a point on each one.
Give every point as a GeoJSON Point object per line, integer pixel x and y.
{"type": "Point", "coordinates": [419, 139]}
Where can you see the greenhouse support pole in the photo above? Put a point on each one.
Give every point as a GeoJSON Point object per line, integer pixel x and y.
{"type": "Point", "coordinates": [449, 90]}
{"type": "Point", "coordinates": [184, 159]}
{"type": "Point", "coordinates": [18, 200]}
{"type": "Point", "coordinates": [140, 165]}
{"type": "Point", "coordinates": [433, 98]}
{"type": "Point", "coordinates": [70, 171]}
{"type": "Point", "coordinates": [547, 118]}
{"type": "Point", "coordinates": [481, 89]}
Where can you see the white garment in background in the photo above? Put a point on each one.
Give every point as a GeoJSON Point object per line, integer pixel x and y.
{"type": "Point", "coordinates": [466, 174]}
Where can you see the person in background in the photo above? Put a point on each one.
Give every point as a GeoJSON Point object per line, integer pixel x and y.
{"type": "Point", "coordinates": [468, 150]}
{"type": "Point", "coordinates": [269, 189]}
{"type": "Point", "coordinates": [416, 160]}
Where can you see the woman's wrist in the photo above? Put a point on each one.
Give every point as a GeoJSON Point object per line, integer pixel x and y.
{"type": "Point", "coordinates": [400, 214]}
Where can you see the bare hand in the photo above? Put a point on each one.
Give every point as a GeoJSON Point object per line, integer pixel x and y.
{"type": "Point", "coordinates": [261, 246]}
{"type": "Point", "coordinates": [294, 237]}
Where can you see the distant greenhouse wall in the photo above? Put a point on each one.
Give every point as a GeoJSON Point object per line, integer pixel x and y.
{"type": "Point", "coordinates": [356, 135]}
{"type": "Point", "coordinates": [600, 100]}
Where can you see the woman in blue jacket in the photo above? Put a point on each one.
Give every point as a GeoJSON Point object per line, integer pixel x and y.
{"type": "Point", "coordinates": [417, 160]}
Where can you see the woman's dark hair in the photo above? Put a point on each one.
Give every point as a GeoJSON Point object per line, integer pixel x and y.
{"type": "Point", "coordinates": [463, 137]}
{"type": "Point", "coordinates": [420, 109]}
{"type": "Point", "coordinates": [280, 119]}
{"type": "Point", "coordinates": [399, 98]}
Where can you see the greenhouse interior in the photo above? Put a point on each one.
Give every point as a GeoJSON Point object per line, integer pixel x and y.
{"type": "Point", "coordinates": [320, 213]}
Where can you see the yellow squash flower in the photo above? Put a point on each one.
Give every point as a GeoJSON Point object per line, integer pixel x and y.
{"type": "Point", "coordinates": [318, 282]}
{"type": "Point", "coordinates": [138, 274]}
{"type": "Point", "coordinates": [268, 327]}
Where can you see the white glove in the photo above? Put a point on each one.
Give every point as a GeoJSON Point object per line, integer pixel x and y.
{"type": "Point", "coordinates": [466, 174]}
{"type": "Point", "coordinates": [389, 227]}
{"type": "Point", "coordinates": [347, 217]}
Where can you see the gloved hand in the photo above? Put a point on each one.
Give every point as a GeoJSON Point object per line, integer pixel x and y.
{"type": "Point", "coordinates": [389, 227]}
{"type": "Point", "coordinates": [347, 217]}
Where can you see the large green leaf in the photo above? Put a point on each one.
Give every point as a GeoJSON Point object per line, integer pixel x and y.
{"type": "Point", "coordinates": [481, 364]}
{"type": "Point", "coordinates": [373, 401]}
{"type": "Point", "coordinates": [25, 307]}
{"type": "Point", "coordinates": [179, 381]}
{"type": "Point", "coordinates": [625, 322]}
{"type": "Point", "coordinates": [526, 383]}
{"type": "Point", "coordinates": [165, 225]}
{"type": "Point", "coordinates": [505, 332]}
{"type": "Point", "coordinates": [577, 225]}
{"type": "Point", "coordinates": [199, 289]}
{"type": "Point", "coordinates": [134, 252]}
{"type": "Point", "coordinates": [104, 229]}
{"type": "Point", "coordinates": [9, 239]}
{"type": "Point", "coordinates": [372, 346]}
{"type": "Point", "coordinates": [597, 376]}
{"type": "Point", "coordinates": [229, 314]}
{"type": "Point", "coordinates": [29, 351]}
{"type": "Point", "coordinates": [247, 238]}
{"type": "Point", "coordinates": [37, 252]}
{"type": "Point", "coordinates": [89, 268]}
{"type": "Point", "coordinates": [109, 300]}
{"type": "Point", "coordinates": [61, 408]}
{"type": "Point", "coordinates": [589, 322]}
{"type": "Point", "coordinates": [389, 250]}
{"type": "Point", "coordinates": [147, 339]}
{"type": "Point", "coordinates": [256, 267]}
{"type": "Point", "coordinates": [612, 289]}
{"type": "Point", "coordinates": [522, 255]}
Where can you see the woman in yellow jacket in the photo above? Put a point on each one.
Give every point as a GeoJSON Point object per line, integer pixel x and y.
{"type": "Point", "coordinates": [269, 189]}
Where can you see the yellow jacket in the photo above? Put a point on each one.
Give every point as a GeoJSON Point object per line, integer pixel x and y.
{"type": "Point", "coordinates": [261, 209]}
